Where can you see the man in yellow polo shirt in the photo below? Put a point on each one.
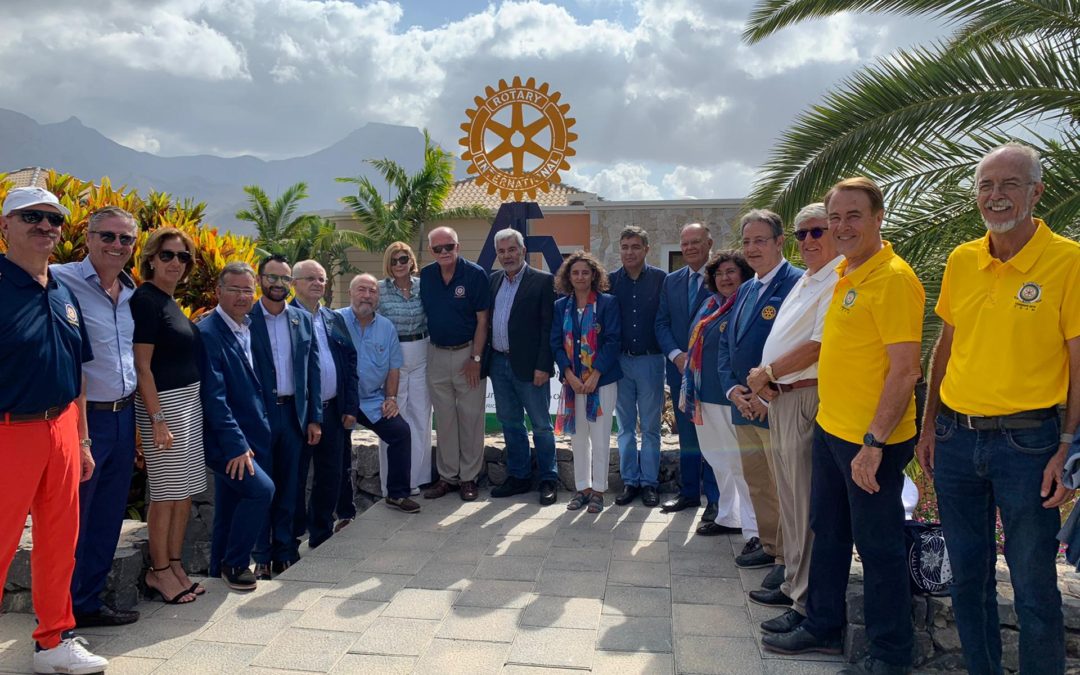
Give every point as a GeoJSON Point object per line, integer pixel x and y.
{"type": "Point", "coordinates": [1008, 355]}
{"type": "Point", "coordinates": [865, 436]}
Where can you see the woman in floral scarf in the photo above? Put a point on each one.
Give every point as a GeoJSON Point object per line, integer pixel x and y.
{"type": "Point", "coordinates": [704, 401]}
{"type": "Point", "coordinates": [585, 338]}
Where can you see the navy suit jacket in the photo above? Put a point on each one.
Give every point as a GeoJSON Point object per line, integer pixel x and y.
{"type": "Point", "coordinates": [609, 341]}
{"type": "Point", "coordinates": [674, 318]}
{"type": "Point", "coordinates": [234, 414]}
{"type": "Point", "coordinates": [530, 323]}
{"type": "Point", "coordinates": [740, 351]}
{"type": "Point", "coordinates": [305, 355]}
{"type": "Point", "coordinates": [344, 354]}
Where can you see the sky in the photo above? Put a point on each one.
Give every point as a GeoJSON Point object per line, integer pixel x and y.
{"type": "Point", "coordinates": [669, 103]}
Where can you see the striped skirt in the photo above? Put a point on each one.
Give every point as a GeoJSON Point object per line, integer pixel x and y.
{"type": "Point", "coordinates": [180, 471]}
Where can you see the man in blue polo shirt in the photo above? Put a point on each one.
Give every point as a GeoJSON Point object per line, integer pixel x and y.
{"type": "Point", "coordinates": [455, 295]}
{"type": "Point", "coordinates": [104, 291]}
{"type": "Point", "coordinates": [43, 343]}
{"type": "Point", "coordinates": [637, 286]}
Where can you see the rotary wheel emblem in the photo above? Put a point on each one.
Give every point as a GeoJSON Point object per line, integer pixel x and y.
{"type": "Point", "coordinates": [526, 123]}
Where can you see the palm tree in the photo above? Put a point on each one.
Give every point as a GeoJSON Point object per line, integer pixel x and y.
{"type": "Point", "coordinates": [276, 224]}
{"type": "Point", "coordinates": [919, 120]}
{"type": "Point", "coordinates": [415, 200]}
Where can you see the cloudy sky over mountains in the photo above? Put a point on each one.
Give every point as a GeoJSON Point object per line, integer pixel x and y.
{"type": "Point", "coordinates": [669, 103]}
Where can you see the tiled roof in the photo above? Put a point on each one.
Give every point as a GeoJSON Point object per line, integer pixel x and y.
{"type": "Point", "coordinates": [467, 193]}
{"type": "Point", "coordinates": [33, 176]}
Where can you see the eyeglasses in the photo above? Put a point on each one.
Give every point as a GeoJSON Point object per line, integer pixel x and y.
{"type": "Point", "coordinates": [815, 232]}
{"type": "Point", "coordinates": [321, 280]}
{"type": "Point", "coordinates": [167, 256]}
{"type": "Point", "coordinates": [757, 241]}
{"type": "Point", "coordinates": [401, 260]}
{"type": "Point", "coordinates": [34, 216]}
{"type": "Point", "coordinates": [1011, 185]}
{"type": "Point", "coordinates": [443, 248]}
{"type": "Point", "coordinates": [236, 290]}
{"type": "Point", "coordinates": [278, 278]}
{"type": "Point", "coordinates": [110, 237]}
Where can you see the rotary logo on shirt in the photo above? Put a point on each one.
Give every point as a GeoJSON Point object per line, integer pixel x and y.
{"type": "Point", "coordinates": [72, 315]}
{"type": "Point", "coordinates": [768, 313]}
{"type": "Point", "coordinates": [459, 291]}
{"type": "Point", "coordinates": [849, 299]}
{"type": "Point", "coordinates": [1030, 293]}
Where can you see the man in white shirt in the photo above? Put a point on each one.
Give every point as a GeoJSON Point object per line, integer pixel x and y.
{"type": "Point", "coordinates": [788, 375]}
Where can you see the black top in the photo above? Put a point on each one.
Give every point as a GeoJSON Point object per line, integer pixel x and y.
{"type": "Point", "coordinates": [160, 322]}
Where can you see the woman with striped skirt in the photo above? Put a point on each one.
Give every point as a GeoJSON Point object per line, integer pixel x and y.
{"type": "Point", "coordinates": [167, 408]}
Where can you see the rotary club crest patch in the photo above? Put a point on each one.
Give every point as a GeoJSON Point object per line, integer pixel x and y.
{"type": "Point", "coordinates": [849, 299]}
{"type": "Point", "coordinates": [768, 313]}
{"type": "Point", "coordinates": [72, 315]}
{"type": "Point", "coordinates": [723, 326]}
{"type": "Point", "coordinates": [1029, 293]}
{"type": "Point", "coordinates": [459, 291]}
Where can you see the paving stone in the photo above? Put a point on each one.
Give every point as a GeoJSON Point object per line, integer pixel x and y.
{"type": "Point", "coordinates": [784, 666]}
{"type": "Point", "coordinates": [249, 626]}
{"type": "Point", "coordinates": [532, 527]}
{"type": "Point", "coordinates": [703, 565]}
{"type": "Point", "coordinates": [132, 665]}
{"type": "Point", "coordinates": [418, 540]}
{"type": "Point", "coordinates": [340, 614]}
{"type": "Point", "coordinates": [640, 551]}
{"type": "Point", "coordinates": [326, 570]}
{"type": "Point", "coordinates": [155, 638]}
{"type": "Point", "coordinates": [350, 664]}
{"type": "Point", "coordinates": [711, 620]}
{"type": "Point", "coordinates": [372, 528]}
{"type": "Point", "coordinates": [637, 601]}
{"type": "Point", "coordinates": [440, 575]}
{"type": "Point", "coordinates": [454, 656]}
{"type": "Point", "coordinates": [751, 579]}
{"type": "Point", "coordinates": [642, 531]}
{"type": "Point", "coordinates": [583, 539]}
{"type": "Point", "coordinates": [388, 561]}
{"type": "Point", "coordinates": [497, 594]}
{"type": "Point", "coordinates": [416, 603]}
{"type": "Point", "coordinates": [631, 663]}
{"type": "Point", "coordinates": [550, 610]}
{"type": "Point", "coordinates": [207, 657]}
{"type": "Point", "coordinates": [692, 543]}
{"type": "Point", "coordinates": [277, 594]}
{"type": "Point", "coordinates": [363, 585]}
{"type": "Point", "coordinates": [629, 573]}
{"type": "Point", "coordinates": [572, 584]}
{"type": "Point", "coordinates": [562, 647]}
{"type": "Point", "coordinates": [509, 568]}
{"type": "Point", "coordinates": [517, 545]}
{"type": "Point", "coordinates": [480, 623]}
{"type": "Point", "coordinates": [356, 547]}
{"type": "Point", "coordinates": [638, 513]}
{"type": "Point", "coordinates": [707, 590]}
{"type": "Point", "coordinates": [457, 552]}
{"type": "Point", "coordinates": [717, 656]}
{"type": "Point", "coordinates": [515, 669]}
{"type": "Point", "coordinates": [434, 522]}
{"type": "Point", "coordinates": [587, 560]}
{"type": "Point", "coordinates": [634, 634]}
{"type": "Point", "coordinates": [305, 649]}
{"type": "Point", "coordinates": [392, 636]}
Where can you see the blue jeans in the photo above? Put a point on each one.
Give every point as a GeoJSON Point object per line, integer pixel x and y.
{"type": "Point", "coordinates": [975, 473]}
{"type": "Point", "coordinates": [695, 474]}
{"type": "Point", "coordinates": [641, 396]}
{"type": "Point", "coordinates": [512, 397]}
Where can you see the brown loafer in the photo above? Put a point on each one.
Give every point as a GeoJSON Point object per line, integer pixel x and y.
{"type": "Point", "coordinates": [439, 489]}
{"type": "Point", "coordinates": [469, 491]}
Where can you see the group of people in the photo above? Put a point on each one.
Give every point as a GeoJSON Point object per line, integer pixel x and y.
{"type": "Point", "coordinates": [792, 389]}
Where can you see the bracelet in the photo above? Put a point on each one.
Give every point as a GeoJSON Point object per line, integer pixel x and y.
{"type": "Point", "coordinates": [768, 371]}
{"type": "Point", "coordinates": [1066, 438]}
{"type": "Point", "coordinates": [159, 416]}
{"type": "Point", "coordinates": [392, 398]}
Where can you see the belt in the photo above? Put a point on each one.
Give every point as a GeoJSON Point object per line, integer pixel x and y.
{"type": "Point", "coordinates": [110, 406]}
{"type": "Point", "coordinates": [798, 384]}
{"type": "Point", "coordinates": [412, 338]}
{"type": "Point", "coordinates": [646, 352]}
{"type": "Point", "coordinates": [452, 348]}
{"type": "Point", "coordinates": [1027, 419]}
{"type": "Point", "coordinates": [50, 414]}
{"type": "Point", "coordinates": [285, 400]}
{"type": "Point", "coordinates": [327, 402]}
{"type": "Point", "coordinates": [496, 351]}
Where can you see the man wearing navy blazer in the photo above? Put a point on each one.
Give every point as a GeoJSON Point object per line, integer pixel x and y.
{"type": "Point", "coordinates": [338, 382]}
{"type": "Point", "coordinates": [756, 305]}
{"type": "Point", "coordinates": [519, 361]}
{"type": "Point", "coordinates": [286, 355]}
{"type": "Point", "coordinates": [237, 429]}
{"type": "Point", "coordinates": [680, 298]}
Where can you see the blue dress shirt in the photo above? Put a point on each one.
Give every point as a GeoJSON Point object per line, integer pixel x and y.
{"type": "Point", "coordinates": [639, 299]}
{"type": "Point", "coordinates": [377, 351]}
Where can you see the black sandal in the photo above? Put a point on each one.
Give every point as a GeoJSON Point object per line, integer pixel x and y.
{"type": "Point", "coordinates": [577, 501]}
{"type": "Point", "coordinates": [196, 588]}
{"type": "Point", "coordinates": [175, 600]}
{"type": "Point", "coordinates": [596, 502]}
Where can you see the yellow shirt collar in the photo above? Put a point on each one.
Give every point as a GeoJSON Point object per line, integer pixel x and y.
{"type": "Point", "coordinates": [877, 260]}
{"type": "Point", "coordinates": [1026, 258]}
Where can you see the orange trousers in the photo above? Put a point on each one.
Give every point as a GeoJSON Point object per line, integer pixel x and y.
{"type": "Point", "coordinates": [40, 474]}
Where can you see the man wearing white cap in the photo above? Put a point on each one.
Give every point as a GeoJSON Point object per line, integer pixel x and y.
{"type": "Point", "coordinates": [43, 344]}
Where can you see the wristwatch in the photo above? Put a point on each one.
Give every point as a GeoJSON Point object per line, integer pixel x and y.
{"type": "Point", "coordinates": [475, 358]}
{"type": "Point", "coordinates": [869, 441]}
{"type": "Point", "coordinates": [159, 416]}
{"type": "Point", "coordinates": [86, 442]}
{"type": "Point", "coordinates": [391, 398]}
{"type": "Point", "coordinates": [768, 371]}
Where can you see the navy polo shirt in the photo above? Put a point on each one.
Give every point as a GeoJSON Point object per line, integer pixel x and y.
{"type": "Point", "coordinates": [639, 299]}
{"type": "Point", "coordinates": [43, 343]}
{"type": "Point", "coordinates": [451, 308]}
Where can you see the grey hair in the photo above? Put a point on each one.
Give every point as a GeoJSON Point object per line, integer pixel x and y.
{"type": "Point", "coordinates": [235, 267]}
{"type": "Point", "coordinates": [766, 216]}
{"type": "Point", "coordinates": [1030, 153]}
{"type": "Point", "coordinates": [449, 230]}
{"type": "Point", "coordinates": [307, 263]}
{"type": "Point", "coordinates": [510, 233]}
{"type": "Point", "coordinates": [362, 275]}
{"type": "Point", "coordinates": [703, 226]}
{"type": "Point", "coordinates": [635, 231]}
{"type": "Point", "coordinates": [810, 212]}
{"type": "Point", "coordinates": [110, 212]}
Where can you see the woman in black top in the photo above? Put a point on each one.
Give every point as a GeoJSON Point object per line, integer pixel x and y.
{"type": "Point", "coordinates": [167, 409]}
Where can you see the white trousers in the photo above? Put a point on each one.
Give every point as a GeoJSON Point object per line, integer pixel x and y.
{"type": "Point", "coordinates": [591, 442]}
{"type": "Point", "coordinates": [415, 406]}
{"type": "Point", "coordinates": [720, 446]}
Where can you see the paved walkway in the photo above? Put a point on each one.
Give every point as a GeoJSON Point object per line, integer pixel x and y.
{"type": "Point", "coordinates": [493, 586]}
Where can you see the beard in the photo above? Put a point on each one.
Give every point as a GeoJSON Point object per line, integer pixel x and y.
{"type": "Point", "coordinates": [1008, 225]}
{"type": "Point", "coordinates": [275, 293]}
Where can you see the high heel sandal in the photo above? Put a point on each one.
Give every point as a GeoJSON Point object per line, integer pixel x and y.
{"type": "Point", "coordinates": [152, 591]}
{"type": "Point", "coordinates": [196, 588]}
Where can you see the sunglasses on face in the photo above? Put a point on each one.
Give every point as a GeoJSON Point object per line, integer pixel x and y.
{"type": "Point", "coordinates": [167, 256]}
{"type": "Point", "coordinates": [278, 278]}
{"type": "Point", "coordinates": [401, 260]}
{"type": "Point", "coordinates": [815, 232]}
{"type": "Point", "coordinates": [443, 248]}
{"type": "Point", "coordinates": [34, 216]}
{"type": "Point", "coordinates": [110, 237]}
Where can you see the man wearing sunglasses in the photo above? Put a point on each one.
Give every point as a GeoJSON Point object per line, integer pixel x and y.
{"type": "Point", "coordinates": [788, 370]}
{"type": "Point", "coordinates": [104, 291]}
{"type": "Point", "coordinates": [43, 344]}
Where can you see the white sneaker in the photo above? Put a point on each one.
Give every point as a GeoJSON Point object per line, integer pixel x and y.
{"type": "Point", "coordinates": [70, 656]}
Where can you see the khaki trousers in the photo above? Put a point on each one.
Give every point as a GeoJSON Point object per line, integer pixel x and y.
{"type": "Point", "coordinates": [459, 415]}
{"type": "Point", "coordinates": [791, 429]}
{"type": "Point", "coordinates": [757, 462]}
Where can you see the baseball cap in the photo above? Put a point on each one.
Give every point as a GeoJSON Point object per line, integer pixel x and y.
{"type": "Point", "coordinates": [25, 197]}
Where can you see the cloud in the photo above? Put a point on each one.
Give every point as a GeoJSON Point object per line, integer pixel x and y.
{"type": "Point", "coordinates": [622, 181]}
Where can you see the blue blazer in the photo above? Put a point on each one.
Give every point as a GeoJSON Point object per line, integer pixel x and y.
{"type": "Point", "coordinates": [305, 353]}
{"type": "Point", "coordinates": [344, 353]}
{"type": "Point", "coordinates": [674, 318]}
{"type": "Point", "coordinates": [234, 415]}
{"type": "Point", "coordinates": [609, 341]}
{"type": "Point", "coordinates": [736, 356]}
